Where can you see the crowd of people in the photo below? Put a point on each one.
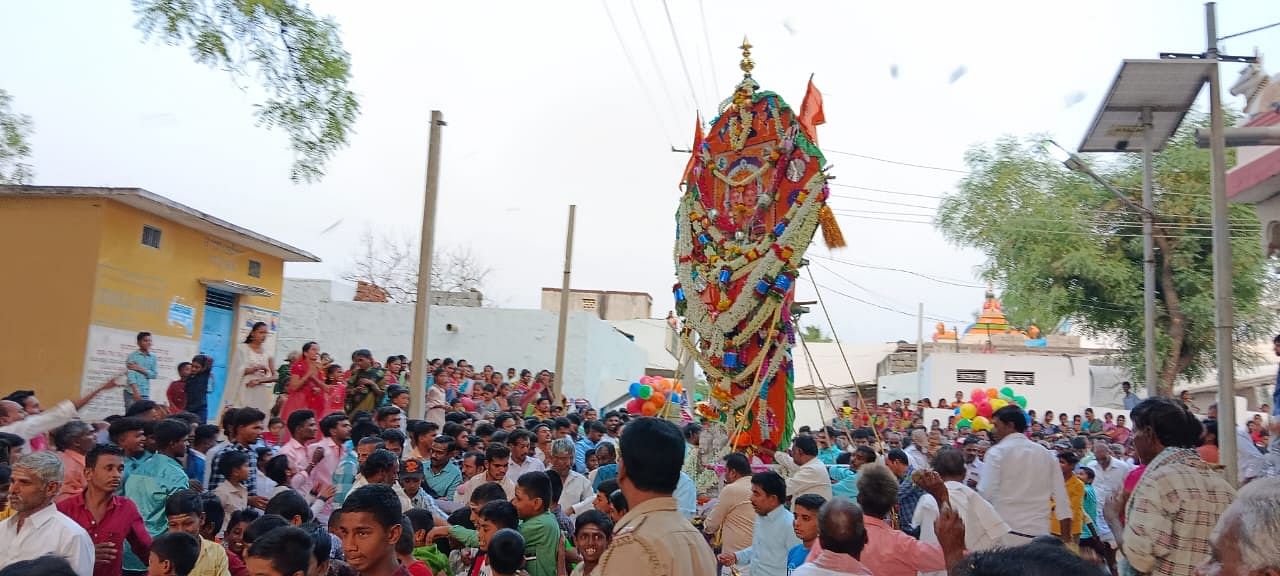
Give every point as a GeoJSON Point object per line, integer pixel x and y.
{"type": "Point", "coordinates": [316, 468]}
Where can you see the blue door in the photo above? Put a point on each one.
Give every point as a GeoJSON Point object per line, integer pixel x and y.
{"type": "Point", "coordinates": [216, 332]}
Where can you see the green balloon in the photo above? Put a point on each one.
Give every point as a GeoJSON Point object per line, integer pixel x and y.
{"type": "Point", "coordinates": [645, 391]}
{"type": "Point", "coordinates": [1007, 392]}
{"type": "Point", "coordinates": [1021, 401]}
{"type": "Point", "coordinates": [964, 423]}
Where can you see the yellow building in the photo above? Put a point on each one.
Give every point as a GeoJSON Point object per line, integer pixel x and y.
{"type": "Point", "coordinates": [89, 268]}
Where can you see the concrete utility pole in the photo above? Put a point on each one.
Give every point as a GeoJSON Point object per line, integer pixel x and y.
{"type": "Point", "coordinates": [1222, 288]}
{"type": "Point", "coordinates": [557, 384]}
{"type": "Point", "coordinates": [426, 245]}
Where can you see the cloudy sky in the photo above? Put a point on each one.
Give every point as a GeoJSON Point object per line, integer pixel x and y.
{"type": "Point", "coordinates": [547, 105]}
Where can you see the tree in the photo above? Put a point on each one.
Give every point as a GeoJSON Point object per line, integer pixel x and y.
{"type": "Point", "coordinates": [1063, 247]}
{"type": "Point", "coordinates": [814, 334]}
{"type": "Point", "coordinates": [14, 131]}
{"type": "Point", "coordinates": [297, 56]}
{"type": "Point", "coordinates": [392, 264]}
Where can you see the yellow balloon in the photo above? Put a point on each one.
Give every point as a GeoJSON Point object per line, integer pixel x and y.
{"type": "Point", "coordinates": [998, 403]}
{"type": "Point", "coordinates": [981, 423]}
{"type": "Point", "coordinates": [968, 410]}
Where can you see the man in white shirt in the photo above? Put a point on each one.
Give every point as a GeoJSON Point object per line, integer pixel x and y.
{"type": "Point", "coordinates": [1109, 473]}
{"type": "Point", "coordinates": [773, 535]}
{"type": "Point", "coordinates": [983, 528]}
{"type": "Point", "coordinates": [808, 473]}
{"type": "Point", "coordinates": [38, 528]}
{"type": "Point", "coordinates": [575, 487]}
{"type": "Point", "coordinates": [14, 420]}
{"type": "Point", "coordinates": [520, 443]}
{"type": "Point", "coordinates": [916, 455]}
{"type": "Point", "coordinates": [972, 462]}
{"type": "Point", "coordinates": [733, 517]}
{"type": "Point", "coordinates": [1018, 478]}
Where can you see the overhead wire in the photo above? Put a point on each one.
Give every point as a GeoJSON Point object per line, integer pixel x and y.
{"type": "Point", "coordinates": [938, 279]}
{"type": "Point", "coordinates": [711, 59]}
{"type": "Point", "coordinates": [865, 289]}
{"type": "Point", "coordinates": [859, 214]}
{"type": "Point", "coordinates": [653, 58]}
{"type": "Point", "coordinates": [684, 66]}
{"type": "Point", "coordinates": [897, 162]}
{"type": "Point", "coordinates": [635, 70]}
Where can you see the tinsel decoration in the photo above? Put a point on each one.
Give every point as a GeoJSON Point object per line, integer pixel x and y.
{"type": "Point", "coordinates": [831, 234]}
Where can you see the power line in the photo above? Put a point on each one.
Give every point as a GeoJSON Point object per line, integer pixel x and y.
{"type": "Point", "coordinates": [883, 202]}
{"type": "Point", "coordinates": [864, 288]}
{"type": "Point", "coordinates": [635, 70]}
{"type": "Point", "coordinates": [887, 213]}
{"type": "Point", "coordinates": [1258, 29]}
{"type": "Point", "coordinates": [937, 279]}
{"type": "Point", "coordinates": [883, 191]}
{"type": "Point", "coordinates": [653, 59]}
{"type": "Point", "coordinates": [711, 58]}
{"type": "Point", "coordinates": [851, 213]}
{"type": "Point", "coordinates": [881, 306]}
{"type": "Point", "coordinates": [898, 162]}
{"type": "Point", "coordinates": [680, 52]}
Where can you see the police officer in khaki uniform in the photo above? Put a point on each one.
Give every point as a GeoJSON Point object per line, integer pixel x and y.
{"type": "Point", "coordinates": [653, 537]}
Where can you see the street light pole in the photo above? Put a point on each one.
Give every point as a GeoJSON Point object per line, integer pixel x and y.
{"type": "Point", "coordinates": [1222, 288]}
{"type": "Point", "coordinates": [1148, 256]}
{"type": "Point", "coordinates": [1147, 211]}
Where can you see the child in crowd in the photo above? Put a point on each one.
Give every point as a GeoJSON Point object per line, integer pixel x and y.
{"type": "Point", "coordinates": [494, 516]}
{"type": "Point", "coordinates": [369, 528]}
{"type": "Point", "coordinates": [234, 533]}
{"type": "Point", "coordinates": [275, 433]}
{"type": "Point", "coordinates": [507, 549]}
{"type": "Point", "coordinates": [421, 522]}
{"type": "Point", "coordinates": [618, 506]}
{"type": "Point", "coordinates": [281, 552]}
{"type": "Point", "coordinates": [538, 525]}
{"type": "Point", "coordinates": [404, 551]}
{"type": "Point", "coordinates": [173, 554]}
{"type": "Point", "coordinates": [177, 392]}
{"type": "Point", "coordinates": [592, 534]}
{"type": "Point", "coordinates": [233, 494]}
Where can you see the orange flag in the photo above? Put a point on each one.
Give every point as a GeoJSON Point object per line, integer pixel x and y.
{"type": "Point", "coordinates": [811, 112]}
{"type": "Point", "coordinates": [697, 144]}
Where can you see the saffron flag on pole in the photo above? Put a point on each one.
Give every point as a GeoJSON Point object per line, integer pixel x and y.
{"type": "Point", "coordinates": [693, 151]}
{"type": "Point", "coordinates": [811, 114]}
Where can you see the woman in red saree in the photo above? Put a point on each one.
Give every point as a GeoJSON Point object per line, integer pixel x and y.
{"type": "Point", "coordinates": [306, 384]}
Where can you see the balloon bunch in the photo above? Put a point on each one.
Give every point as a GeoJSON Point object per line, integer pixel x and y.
{"type": "Point", "coordinates": [976, 414]}
{"type": "Point", "coordinates": [651, 394]}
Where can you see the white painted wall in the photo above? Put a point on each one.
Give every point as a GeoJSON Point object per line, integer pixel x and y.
{"type": "Point", "coordinates": [599, 362]}
{"type": "Point", "coordinates": [1062, 383]}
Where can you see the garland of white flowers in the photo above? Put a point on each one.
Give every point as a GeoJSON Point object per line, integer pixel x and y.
{"type": "Point", "coordinates": [802, 227]}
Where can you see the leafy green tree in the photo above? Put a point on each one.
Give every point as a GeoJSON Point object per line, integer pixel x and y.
{"type": "Point", "coordinates": [1063, 247]}
{"type": "Point", "coordinates": [14, 131]}
{"type": "Point", "coordinates": [297, 56]}
{"type": "Point", "coordinates": [814, 334]}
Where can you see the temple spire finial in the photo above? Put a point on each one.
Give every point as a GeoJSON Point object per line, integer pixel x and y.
{"type": "Point", "coordinates": [747, 64]}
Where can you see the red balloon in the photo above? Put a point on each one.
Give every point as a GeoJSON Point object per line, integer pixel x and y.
{"type": "Point", "coordinates": [978, 395]}
{"type": "Point", "coordinates": [984, 409]}
{"type": "Point", "coordinates": [634, 406]}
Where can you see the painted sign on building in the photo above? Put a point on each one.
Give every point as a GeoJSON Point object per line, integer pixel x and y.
{"type": "Point", "coordinates": [104, 359]}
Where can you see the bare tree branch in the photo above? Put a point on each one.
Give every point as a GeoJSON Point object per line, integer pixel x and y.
{"type": "Point", "coordinates": [392, 265]}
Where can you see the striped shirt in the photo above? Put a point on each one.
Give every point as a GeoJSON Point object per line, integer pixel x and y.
{"type": "Point", "coordinates": [1172, 512]}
